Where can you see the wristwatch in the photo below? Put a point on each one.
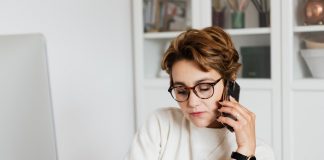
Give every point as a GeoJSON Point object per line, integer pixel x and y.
{"type": "Point", "coordinates": [239, 156]}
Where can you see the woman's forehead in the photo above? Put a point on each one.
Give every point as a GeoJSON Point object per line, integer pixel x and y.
{"type": "Point", "coordinates": [189, 73]}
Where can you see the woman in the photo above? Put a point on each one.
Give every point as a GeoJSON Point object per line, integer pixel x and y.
{"type": "Point", "coordinates": [200, 63]}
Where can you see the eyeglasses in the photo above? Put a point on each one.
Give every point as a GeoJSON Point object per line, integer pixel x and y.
{"type": "Point", "coordinates": [201, 90]}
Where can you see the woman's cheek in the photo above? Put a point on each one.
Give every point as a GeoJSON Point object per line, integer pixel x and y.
{"type": "Point", "coordinates": [183, 109]}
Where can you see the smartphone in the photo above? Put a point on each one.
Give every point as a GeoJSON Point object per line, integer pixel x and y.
{"type": "Point", "coordinates": [231, 89]}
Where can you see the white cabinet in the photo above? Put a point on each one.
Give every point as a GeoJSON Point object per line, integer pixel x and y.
{"type": "Point", "coordinates": [261, 95]}
{"type": "Point", "coordinates": [302, 105]}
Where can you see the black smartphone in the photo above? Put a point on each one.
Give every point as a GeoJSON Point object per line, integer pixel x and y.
{"type": "Point", "coordinates": [231, 89]}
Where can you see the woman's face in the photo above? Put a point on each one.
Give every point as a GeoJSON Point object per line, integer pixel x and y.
{"type": "Point", "coordinates": [201, 112]}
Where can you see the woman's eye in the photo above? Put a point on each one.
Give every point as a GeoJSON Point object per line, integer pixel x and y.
{"type": "Point", "coordinates": [182, 91]}
{"type": "Point", "coordinates": [204, 87]}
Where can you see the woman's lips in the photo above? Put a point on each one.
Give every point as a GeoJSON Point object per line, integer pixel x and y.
{"type": "Point", "coordinates": [196, 114]}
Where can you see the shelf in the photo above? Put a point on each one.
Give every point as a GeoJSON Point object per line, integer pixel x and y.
{"type": "Point", "coordinates": [244, 83]}
{"type": "Point", "coordinates": [234, 32]}
{"type": "Point", "coordinates": [313, 28]}
{"type": "Point", "coordinates": [308, 84]}
{"type": "Point", "coordinates": [248, 31]}
{"type": "Point", "coordinates": [161, 35]}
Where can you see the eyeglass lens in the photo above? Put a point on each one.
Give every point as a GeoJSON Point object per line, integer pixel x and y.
{"type": "Point", "coordinates": [203, 90]}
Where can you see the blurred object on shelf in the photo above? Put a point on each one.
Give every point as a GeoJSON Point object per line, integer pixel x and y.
{"type": "Point", "coordinates": [264, 19]}
{"type": "Point", "coordinates": [313, 44]}
{"type": "Point", "coordinates": [314, 12]}
{"type": "Point", "coordinates": [238, 5]}
{"type": "Point", "coordinates": [264, 12]}
{"type": "Point", "coordinates": [314, 40]}
{"type": "Point", "coordinates": [256, 61]}
{"type": "Point", "coordinates": [237, 16]}
{"type": "Point", "coordinates": [166, 15]}
{"type": "Point", "coordinates": [238, 19]}
{"type": "Point", "coordinates": [315, 61]}
{"type": "Point", "coordinates": [218, 13]}
{"type": "Point", "coordinates": [177, 15]}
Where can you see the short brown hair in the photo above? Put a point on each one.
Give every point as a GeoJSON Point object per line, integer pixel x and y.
{"type": "Point", "coordinates": [209, 48]}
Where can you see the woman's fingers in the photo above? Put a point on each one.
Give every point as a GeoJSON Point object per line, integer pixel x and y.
{"type": "Point", "coordinates": [235, 113]}
{"type": "Point", "coordinates": [229, 121]}
{"type": "Point", "coordinates": [243, 116]}
{"type": "Point", "coordinates": [237, 124]}
{"type": "Point", "coordinates": [233, 109]}
{"type": "Point", "coordinates": [233, 100]}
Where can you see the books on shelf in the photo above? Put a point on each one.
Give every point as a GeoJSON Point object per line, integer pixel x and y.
{"type": "Point", "coordinates": [256, 62]}
{"type": "Point", "coordinates": [166, 15]}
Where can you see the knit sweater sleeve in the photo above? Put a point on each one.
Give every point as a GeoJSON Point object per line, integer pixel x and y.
{"type": "Point", "coordinates": [146, 144]}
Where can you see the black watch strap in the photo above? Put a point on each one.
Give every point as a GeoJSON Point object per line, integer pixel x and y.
{"type": "Point", "coordinates": [239, 156]}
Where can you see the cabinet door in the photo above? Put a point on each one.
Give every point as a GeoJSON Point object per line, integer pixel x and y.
{"type": "Point", "coordinates": [307, 125]}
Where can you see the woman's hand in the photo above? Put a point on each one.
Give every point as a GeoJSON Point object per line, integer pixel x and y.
{"type": "Point", "coordinates": [244, 127]}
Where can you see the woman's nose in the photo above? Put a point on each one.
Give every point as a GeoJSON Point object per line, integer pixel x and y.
{"type": "Point", "coordinates": [193, 99]}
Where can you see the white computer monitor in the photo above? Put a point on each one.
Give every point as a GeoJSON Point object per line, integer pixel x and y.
{"type": "Point", "coordinates": [26, 117]}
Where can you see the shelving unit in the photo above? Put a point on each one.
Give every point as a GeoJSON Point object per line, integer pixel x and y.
{"type": "Point", "coordinates": [263, 96]}
{"type": "Point", "coordinates": [302, 103]}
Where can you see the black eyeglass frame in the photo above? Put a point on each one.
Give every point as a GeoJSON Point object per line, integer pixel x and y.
{"type": "Point", "coordinates": [193, 89]}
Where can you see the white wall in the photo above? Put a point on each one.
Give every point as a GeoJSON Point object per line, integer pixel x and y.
{"type": "Point", "coordinates": [90, 55]}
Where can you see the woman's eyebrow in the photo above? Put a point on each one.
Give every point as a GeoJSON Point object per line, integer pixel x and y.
{"type": "Point", "coordinates": [196, 82]}
{"type": "Point", "coordinates": [179, 83]}
{"type": "Point", "coordinates": [205, 79]}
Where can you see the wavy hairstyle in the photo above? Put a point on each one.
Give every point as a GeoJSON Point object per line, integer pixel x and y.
{"type": "Point", "coordinates": [209, 48]}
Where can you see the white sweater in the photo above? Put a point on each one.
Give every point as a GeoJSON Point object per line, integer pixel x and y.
{"type": "Point", "coordinates": [168, 135]}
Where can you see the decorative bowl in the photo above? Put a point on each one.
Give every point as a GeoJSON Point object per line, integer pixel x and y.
{"type": "Point", "coordinates": [315, 61]}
